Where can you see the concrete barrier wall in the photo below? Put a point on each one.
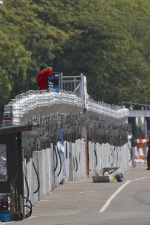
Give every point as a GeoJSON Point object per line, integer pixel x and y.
{"type": "Point", "coordinates": [45, 171]}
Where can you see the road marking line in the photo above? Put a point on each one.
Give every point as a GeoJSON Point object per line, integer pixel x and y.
{"type": "Point", "coordinates": [113, 196]}
{"type": "Point", "coordinates": [117, 192]}
{"type": "Point", "coordinates": [7, 222]}
{"type": "Point", "coordinates": [31, 217]}
{"type": "Point", "coordinates": [142, 178]}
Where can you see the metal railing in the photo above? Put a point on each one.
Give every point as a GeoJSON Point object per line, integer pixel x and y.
{"type": "Point", "coordinates": [35, 104]}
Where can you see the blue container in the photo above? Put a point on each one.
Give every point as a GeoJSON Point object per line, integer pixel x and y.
{"type": "Point", "coordinates": [4, 216]}
{"type": "Point", "coordinates": [57, 89]}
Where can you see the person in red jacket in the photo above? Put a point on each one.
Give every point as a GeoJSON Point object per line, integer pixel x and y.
{"type": "Point", "coordinates": [42, 77]}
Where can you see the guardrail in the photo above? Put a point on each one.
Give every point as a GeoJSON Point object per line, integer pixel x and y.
{"type": "Point", "coordinates": [32, 105]}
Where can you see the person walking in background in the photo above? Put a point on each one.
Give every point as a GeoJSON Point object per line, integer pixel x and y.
{"type": "Point", "coordinates": [133, 150]}
{"type": "Point", "coordinates": [148, 152]}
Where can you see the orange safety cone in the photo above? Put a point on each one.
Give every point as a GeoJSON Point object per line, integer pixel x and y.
{"type": "Point", "coordinates": [140, 149]}
{"type": "Point", "coordinates": [136, 155]}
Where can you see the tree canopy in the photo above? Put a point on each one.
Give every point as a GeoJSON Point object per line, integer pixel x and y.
{"type": "Point", "coordinates": [107, 41]}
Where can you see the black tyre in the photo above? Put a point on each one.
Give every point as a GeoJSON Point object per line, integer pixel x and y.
{"type": "Point", "coordinates": [16, 216]}
{"type": "Point", "coordinates": [21, 215]}
{"type": "Point", "coordinates": [119, 177]}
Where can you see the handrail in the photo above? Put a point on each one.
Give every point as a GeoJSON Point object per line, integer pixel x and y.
{"type": "Point", "coordinates": [41, 103]}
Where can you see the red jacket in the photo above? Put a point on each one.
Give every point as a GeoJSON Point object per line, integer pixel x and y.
{"type": "Point", "coordinates": [41, 79]}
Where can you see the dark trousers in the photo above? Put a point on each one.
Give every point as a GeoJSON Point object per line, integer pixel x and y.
{"type": "Point", "coordinates": [148, 164]}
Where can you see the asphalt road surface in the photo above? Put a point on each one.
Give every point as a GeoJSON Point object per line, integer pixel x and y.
{"type": "Point", "coordinates": [86, 203]}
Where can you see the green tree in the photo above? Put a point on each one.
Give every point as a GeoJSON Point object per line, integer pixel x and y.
{"type": "Point", "coordinates": [108, 41]}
